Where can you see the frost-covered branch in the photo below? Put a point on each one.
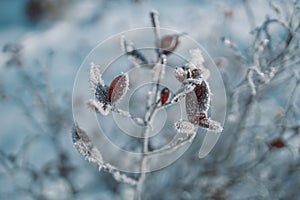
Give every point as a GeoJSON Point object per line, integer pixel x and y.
{"type": "Point", "coordinates": [86, 148]}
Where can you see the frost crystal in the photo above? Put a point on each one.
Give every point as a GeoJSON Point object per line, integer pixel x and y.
{"type": "Point", "coordinates": [84, 146]}
{"type": "Point", "coordinates": [101, 94]}
{"type": "Point", "coordinates": [95, 76]}
{"type": "Point", "coordinates": [198, 100]}
{"type": "Point", "coordinates": [135, 56]}
{"type": "Point", "coordinates": [196, 63]}
{"type": "Point", "coordinates": [211, 125]}
{"type": "Point", "coordinates": [202, 92]}
{"type": "Point", "coordinates": [197, 59]}
{"type": "Point", "coordinates": [159, 69]}
{"type": "Point", "coordinates": [186, 127]}
{"type": "Point", "coordinates": [180, 74]}
{"type": "Point", "coordinates": [99, 107]}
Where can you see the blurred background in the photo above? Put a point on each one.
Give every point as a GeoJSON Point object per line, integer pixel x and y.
{"type": "Point", "coordinates": [255, 45]}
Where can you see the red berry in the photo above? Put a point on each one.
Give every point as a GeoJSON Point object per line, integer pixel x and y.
{"type": "Point", "coordinates": [164, 95]}
{"type": "Point", "coordinates": [277, 143]}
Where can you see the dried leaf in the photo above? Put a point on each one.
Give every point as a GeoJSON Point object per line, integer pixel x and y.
{"type": "Point", "coordinates": [134, 55]}
{"type": "Point", "coordinates": [101, 94]}
{"type": "Point", "coordinates": [118, 88]}
{"type": "Point", "coordinates": [169, 43]}
{"type": "Point", "coordinates": [84, 145]}
{"type": "Point", "coordinates": [210, 125]}
{"type": "Point", "coordinates": [198, 100]}
{"type": "Point", "coordinates": [95, 76]}
{"type": "Point", "coordinates": [86, 148]}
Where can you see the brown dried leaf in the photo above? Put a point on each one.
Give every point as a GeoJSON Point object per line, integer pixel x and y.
{"type": "Point", "coordinates": [169, 43]}
{"type": "Point", "coordinates": [118, 88]}
{"type": "Point", "coordinates": [198, 100]}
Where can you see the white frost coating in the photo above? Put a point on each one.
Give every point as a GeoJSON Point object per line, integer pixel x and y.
{"type": "Point", "coordinates": [180, 74]}
{"type": "Point", "coordinates": [95, 76]}
{"type": "Point", "coordinates": [197, 59]}
{"type": "Point", "coordinates": [99, 107]}
{"type": "Point", "coordinates": [197, 81]}
{"type": "Point", "coordinates": [251, 82]}
{"type": "Point", "coordinates": [158, 71]}
{"type": "Point", "coordinates": [134, 56]}
{"type": "Point", "coordinates": [122, 112]}
{"type": "Point", "coordinates": [186, 127]}
{"type": "Point", "coordinates": [139, 120]}
{"type": "Point", "coordinates": [215, 126]}
{"type": "Point", "coordinates": [86, 148]}
{"type": "Point", "coordinates": [122, 177]}
{"type": "Point", "coordinates": [126, 47]}
{"type": "Point", "coordinates": [182, 93]}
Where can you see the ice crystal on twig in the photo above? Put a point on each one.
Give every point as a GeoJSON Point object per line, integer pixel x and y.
{"type": "Point", "coordinates": [180, 74]}
{"type": "Point", "coordinates": [84, 145]}
{"type": "Point", "coordinates": [182, 93]}
{"type": "Point", "coordinates": [134, 55]}
{"type": "Point", "coordinates": [197, 59]}
{"type": "Point", "coordinates": [156, 26]}
{"type": "Point", "coordinates": [208, 124]}
{"type": "Point", "coordinates": [86, 148]}
{"type": "Point", "coordinates": [99, 107]}
{"type": "Point", "coordinates": [159, 69]}
{"type": "Point", "coordinates": [95, 76]}
{"type": "Point", "coordinates": [197, 63]}
{"type": "Point", "coordinates": [186, 127]}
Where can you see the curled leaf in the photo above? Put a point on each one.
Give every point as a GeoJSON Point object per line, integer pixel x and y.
{"type": "Point", "coordinates": [118, 88]}
{"type": "Point", "coordinates": [169, 43]}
